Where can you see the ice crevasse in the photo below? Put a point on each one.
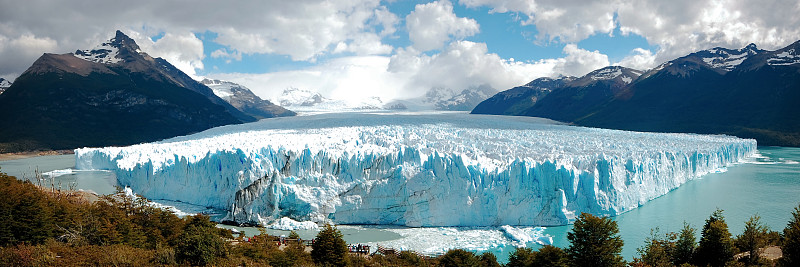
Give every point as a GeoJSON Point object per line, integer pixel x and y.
{"type": "Point", "coordinates": [416, 169]}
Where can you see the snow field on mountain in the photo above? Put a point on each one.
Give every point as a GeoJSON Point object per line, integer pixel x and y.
{"type": "Point", "coordinates": [432, 169]}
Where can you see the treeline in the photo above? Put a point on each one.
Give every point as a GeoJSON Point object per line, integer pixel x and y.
{"type": "Point", "coordinates": [52, 228]}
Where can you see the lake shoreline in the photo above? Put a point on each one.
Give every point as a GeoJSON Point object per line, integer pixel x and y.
{"type": "Point", "coordinates": [31, 154]}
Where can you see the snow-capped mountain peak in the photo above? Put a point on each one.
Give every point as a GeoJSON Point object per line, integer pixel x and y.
{"type": "Point", "coordinates": [789, 55]}
{"type": "Point", "coordinates": [4, 83]}
{"type": "Point", "coordinates": [220, 88]}
{"type": "Point", "coordinates": [109, 52]}
{"type": "Point", "coordinates": [613, 73]}
{"type": "Point", "coordinates": [727, 59]}
{"type": "Point", "coordinates": [245, 100]}
{"type": "Point", "coordinates": [300, 97]}
{"type": "Point", "coordinates": [606, 74]}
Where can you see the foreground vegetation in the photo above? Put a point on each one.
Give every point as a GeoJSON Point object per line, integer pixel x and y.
{"type": "Point", "coordinates": [54, 228]}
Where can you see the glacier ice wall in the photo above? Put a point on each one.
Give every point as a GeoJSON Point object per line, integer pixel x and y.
{"type": "Point", "coordinates": [416, 169]}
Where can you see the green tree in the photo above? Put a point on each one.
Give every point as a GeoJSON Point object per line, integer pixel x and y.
{"type": "Point", "coordinates": [595, 241]}
{"type": "Point", "coordinates": [791, 241]}
{"type": "Point", "coordinates": [716, 246]}
{"type": "Point", "coordinates": [329, 247]}
{"type": "Point", "coordinates": [458, 258]}
{"type": "Point", "coordinates": [658, 250]}
{"type": "Point", "coordinates": [521, 257]}
{"type": "Point", "coordinates": [550, 256]}
{"type": "Point", "coordinates": [753, 238]}
{"type": "Point", "coordinates": [200, 243]}
{"type": "Point", "coordinates": [685, 246]}
{"type": "Point", "coordinates": [294, 235]}
{"type": "Point", "coordinates": [487, 259]}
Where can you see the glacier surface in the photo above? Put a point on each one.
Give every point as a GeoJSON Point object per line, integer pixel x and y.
{"type": "Point", "coordinates": [415, 169]}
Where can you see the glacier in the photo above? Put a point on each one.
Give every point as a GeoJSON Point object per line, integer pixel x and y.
{"type": "Point", "coordinates": [415, 169]}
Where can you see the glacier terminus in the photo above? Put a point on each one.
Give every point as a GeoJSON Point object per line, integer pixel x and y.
{"type": "Point", "coordinates": [415, 169]}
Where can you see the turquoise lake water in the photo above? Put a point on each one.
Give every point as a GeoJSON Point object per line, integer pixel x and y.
{"type": "Point", "coordinates": [768, 186]}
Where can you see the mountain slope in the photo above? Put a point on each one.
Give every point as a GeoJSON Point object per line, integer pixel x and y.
{"type": "Point", "coordinates": [755, 98]}
{"type": "Point", "coordinates": [245, 100]}
{"type": "Point", "coordinates": [579, 96]}
{"type": "Point", "coordinates": [748, 92]}
{"type": "Point", "coordinates": [4, 84]}
{"type": "Point", "coordinates": [518, 99]}
{"type": "Point", "coordinates": [113, 94]}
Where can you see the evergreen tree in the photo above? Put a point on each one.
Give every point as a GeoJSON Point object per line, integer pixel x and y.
{"type": "Point", "coordinates": [294, 235]}
{"type": "Point", "coordinates": [685, 246]}
{"type": "Point", "coordinates": [521, 257]}
{"type": "Point", "coordinates": [487, 259]}
{"type": "Point", "coordinates": [200, 243]}
{"type": "Point", "coordinates": [459, 258]}
{"type": "Point", "coordinates": [329, 247]}
{"type": "Point", "coordinates": [716, 246]}
{"type": "Point", "coordinates": [595, 241]}
{"type": "Point", "coordinates": [791, 241]}
{"type": "Point", "coordinates": [753, 238]}
{"type": "Point", "coordinates": [550, 256]}
{"type": "Point", "coordinates": [658, 250]}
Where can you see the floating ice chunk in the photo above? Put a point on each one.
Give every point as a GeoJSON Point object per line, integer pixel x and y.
{"type": "Point", "coordinates": [287, 224]}
{"type": "Point", "coordinates": [522, 236]}
{"type": "Point", "coordinates": [57, 173]}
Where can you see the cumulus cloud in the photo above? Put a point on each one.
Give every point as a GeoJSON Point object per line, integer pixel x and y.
{"type": "Point", "coordinates": [568, 21]}
{"type": "Point", "coordinates": [579, 62]}
{"type": "Point", "coordinates": [640, 59]}
{"type": "Point", "coordinates": [348, 78]}
{"type": "Point", "coordinates": [677, 27]}
{"type": "Point", "coordinates": [461, 65]}
{"type": "Point", "coordinates": [410, 74]}
{"type": "Point", "coordinates": [355, 30]}
{"type": "Point", "coordinates": [18, 52]}
{"type": "Point", "coordinates": [431, 25]}
{"type": "Point", "coordinates": [302, 30]}
{"type": "Point", "coordinates": [228, 56]}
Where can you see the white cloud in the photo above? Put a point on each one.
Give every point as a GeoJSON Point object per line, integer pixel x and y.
{"type": "Point", "coordinates": [409, 74]}
{"type": "Point", "coordinates": [366, 44]}
{"type": "Point", "coordinates": [431, 25]}
{"type": "Point", "coordinates": [461, 65]}
{"type": "Point", "coordinates": [349, 78]}
{"type": "Point", "coordinates": [228, 56]}
{"type": "Point", "coordinates": [184, 51]}
{"type": "Point", "coordinates": [640, 59]}
{"type": "Point", "coordinates": [568, 21]}
{"type": "Point", "coordinates": [579, 62]}
{"type": "Point", "coordinates": [302, 30]}
{"type": "Point", "coordinates": [18, 52]}
{"type": "Point", "coordinates": [677, 27]}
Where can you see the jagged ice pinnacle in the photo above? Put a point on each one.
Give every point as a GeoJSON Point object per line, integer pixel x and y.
{"type": "Point", "coordinates": [416, 169]}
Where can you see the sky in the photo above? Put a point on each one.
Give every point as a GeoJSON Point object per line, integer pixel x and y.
{"type": "Point", "coordinates": [352, 49]}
